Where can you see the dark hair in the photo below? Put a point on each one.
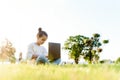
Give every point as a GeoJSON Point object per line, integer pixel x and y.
{"type": "Point", "coordinates": [41, 32]}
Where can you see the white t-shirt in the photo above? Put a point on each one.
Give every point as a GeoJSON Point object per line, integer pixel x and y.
{"type": "Point", "coordinates": [33, 48]}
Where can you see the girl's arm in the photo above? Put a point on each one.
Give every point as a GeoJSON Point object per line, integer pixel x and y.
{"type": "Point", "coordinates": [30, 52]}
{"type": "Point", "coordinates": [34, 56]}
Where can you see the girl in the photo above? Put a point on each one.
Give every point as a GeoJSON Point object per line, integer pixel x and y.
{"type": "Point", "coordinates": [36, 52]}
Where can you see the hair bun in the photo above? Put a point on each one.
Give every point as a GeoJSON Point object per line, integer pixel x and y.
{"type": "Point", "coordinates": [39, 29]}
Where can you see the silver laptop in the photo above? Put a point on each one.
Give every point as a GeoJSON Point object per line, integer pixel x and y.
{"type": "Point", "coordinates": [54, 51]}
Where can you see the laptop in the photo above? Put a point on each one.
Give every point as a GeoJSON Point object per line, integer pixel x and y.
{"type": "Point", "coordinates": [54, 51]}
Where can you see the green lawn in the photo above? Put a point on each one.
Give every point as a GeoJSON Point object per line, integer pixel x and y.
{"type": "Point", "coordinates": [57, 72]}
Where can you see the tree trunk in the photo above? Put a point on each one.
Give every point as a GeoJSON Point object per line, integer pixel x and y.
{"type": "Point", "coordinates": [90, 58]}
{"type": "Point", "coordinates": [76, 60]}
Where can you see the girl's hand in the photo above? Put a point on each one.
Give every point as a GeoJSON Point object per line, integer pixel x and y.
{"type": "Point", "coordinates": [34, 56]}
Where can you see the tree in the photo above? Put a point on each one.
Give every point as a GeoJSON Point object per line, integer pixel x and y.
{"type": "Point", "coordinates": [118, 60]}
{"type": "Point", "coordinates": [88, 47]}
{"type": "Point", "coordinates": [75, 45]}
{"type": "Point", "coordinates": [93, 48]}
{"type": "Point", "coordinates": [7, 52]}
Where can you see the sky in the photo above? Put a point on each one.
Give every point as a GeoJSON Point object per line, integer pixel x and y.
{"type": "Point", "coordinates": [20, 20]}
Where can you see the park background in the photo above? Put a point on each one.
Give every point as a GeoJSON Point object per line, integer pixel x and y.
{"type": "Point", "coordinates": [20, 20]}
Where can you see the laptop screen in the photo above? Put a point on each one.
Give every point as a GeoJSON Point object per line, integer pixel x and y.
{"type": "Point", "coordinates": [54, 51]}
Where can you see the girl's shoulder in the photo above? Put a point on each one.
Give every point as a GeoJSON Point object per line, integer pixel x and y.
{"type": "Point", "coordinates": [31, 44]}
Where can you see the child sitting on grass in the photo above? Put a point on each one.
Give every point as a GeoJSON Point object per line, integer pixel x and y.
{"type": "Point", "coordinates": [36, 52]}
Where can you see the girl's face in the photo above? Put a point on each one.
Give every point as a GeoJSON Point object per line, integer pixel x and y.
{"type": "Point", "coordinates": [41, 40]}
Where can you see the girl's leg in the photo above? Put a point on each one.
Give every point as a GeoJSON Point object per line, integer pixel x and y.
{"type": "Point", "coordinates": [42, 60]}
{"type": "Point", "coordinates": [57, 61]}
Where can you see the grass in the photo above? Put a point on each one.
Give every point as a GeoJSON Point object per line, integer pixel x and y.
{"type": "Point", "coordinates": [57, 72]}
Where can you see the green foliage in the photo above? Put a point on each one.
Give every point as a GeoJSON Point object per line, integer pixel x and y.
{"type": "Point", "coordinates": [75, 45]}
{"type": "Point", "coordinates": [12, 59]}
{"type": "Point", "coordinates": [105, 41]}
{"type": "Point", "coordinates": [118, 60]}
{"type": "Point", "coordinates": [88, 47]}
{"type": "Point", "coordinates": [96, 35]}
